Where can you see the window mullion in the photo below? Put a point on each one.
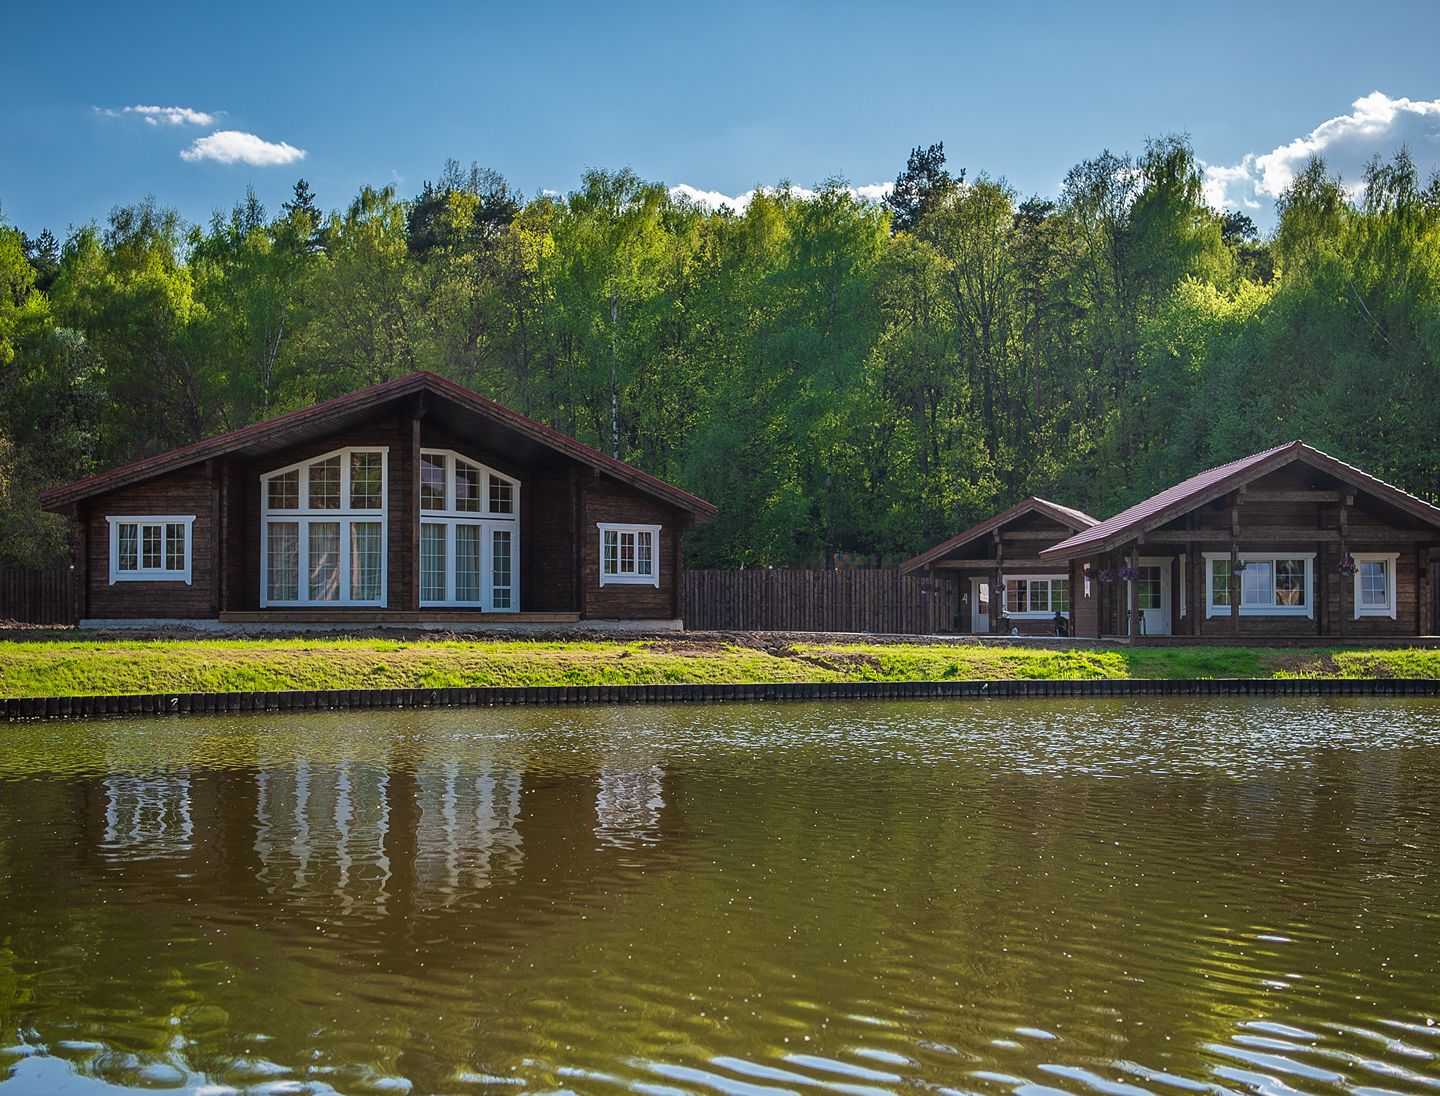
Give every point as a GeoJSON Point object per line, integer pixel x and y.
{"type": "Point", "coordinates": [302, 580]}
{"type": "Point", "coordinates": [343, 525]}
{"type": "Point", "coordinates": [485, 563]}
{"type": "Point", "coordinates": [450, 539]}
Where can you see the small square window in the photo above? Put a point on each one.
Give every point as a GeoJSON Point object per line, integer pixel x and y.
{"type": "Point", "coordinates": [628, 554]}
{"type": "Point", "coordinates": [150, 549]}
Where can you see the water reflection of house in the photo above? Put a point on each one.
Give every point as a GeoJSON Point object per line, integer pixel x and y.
{"type": "Point", "coordinates": [147, 816]}
{"type": "Point", "coordinates": [628, 804]}
{"type": "Point", "coordinates": [321, 829]}
{"type": "Point", "coordinates": [467, 833]}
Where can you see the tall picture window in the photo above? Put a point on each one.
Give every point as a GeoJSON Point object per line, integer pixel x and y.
{"type": "Point", "coordinates": [323, 530]}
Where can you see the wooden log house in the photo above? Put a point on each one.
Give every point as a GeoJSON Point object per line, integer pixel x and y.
{"type": "Point", "coordinates": [415, 501]}
{"type": "Point", "coordinates": [1003, 584]}
{"type": "Point", "coordinates": [1288, 544]}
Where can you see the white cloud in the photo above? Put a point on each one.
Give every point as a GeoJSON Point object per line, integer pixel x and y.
{"type": "Point", "coordinates": [1231, 186]}
{"type": "Point", "coordinates": [714, 199]}
{"type": "Point", "coordinates": [1376, 125]}
{"type": "Point", "coordinates": [229, 146]}
{"type": "Point", "coordinates": [174, 116]}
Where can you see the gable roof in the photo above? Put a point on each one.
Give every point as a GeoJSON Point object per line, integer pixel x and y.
{"type": "Point", "coordinates": [322, 418]}
{"type": "Point", "coordinates": [1065, 515]}
{"type": "Point", "coordinates": [1215, 482]}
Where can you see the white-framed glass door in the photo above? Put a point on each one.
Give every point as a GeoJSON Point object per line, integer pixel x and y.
{"type": "Point", "coordinates": [979, 606]}
{"type": "Point", "coordinates": [1152, 587]}
{"type": "Point", "coordinates": [470, 565]}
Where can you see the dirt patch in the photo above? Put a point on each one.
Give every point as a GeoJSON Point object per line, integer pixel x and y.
{"type": "Point", "coordinates": [1315, 664]}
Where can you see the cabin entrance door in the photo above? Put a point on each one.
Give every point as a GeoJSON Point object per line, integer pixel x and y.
{"type": "Point", "coordinates": [979, 606]}
{"type": "Point", "coordinates": [1153, 590]}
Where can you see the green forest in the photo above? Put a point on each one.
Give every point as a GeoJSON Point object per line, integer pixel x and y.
{"type": "Point", "coordinates": [836, 375]}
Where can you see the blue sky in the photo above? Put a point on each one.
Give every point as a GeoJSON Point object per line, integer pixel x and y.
{"type": "Point", "coordinates": [718, 98]}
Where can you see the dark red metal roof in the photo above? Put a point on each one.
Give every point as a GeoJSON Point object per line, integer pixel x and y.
{"type": "Point", "coordinates": [1211, 484]}
{"type": "Point", "coordinates": [1065, 515]}
{"type": "Point", "coordinates": [307, 420]}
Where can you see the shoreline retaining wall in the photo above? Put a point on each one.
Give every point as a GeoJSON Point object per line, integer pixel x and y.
{"type": "Point", "coordinates": [493, 696]}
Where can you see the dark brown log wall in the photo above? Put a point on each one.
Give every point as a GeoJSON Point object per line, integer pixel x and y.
{"type": "Point", "coordinates": [605, 500]}
{"type": "Point", "coordinates": [185, 492]}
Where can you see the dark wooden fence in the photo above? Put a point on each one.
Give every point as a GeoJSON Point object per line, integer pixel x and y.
{"type": "Point", "coordinates": [44, 596]}
{"type": "Point", "coordinates": [879, 600]}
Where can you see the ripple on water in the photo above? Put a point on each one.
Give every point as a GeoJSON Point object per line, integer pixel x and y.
{"type": "Point", "coordinates": [1107, 897]}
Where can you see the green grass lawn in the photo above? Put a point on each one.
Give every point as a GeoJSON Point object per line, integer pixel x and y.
{"type": "Point", "coordinates": [65, 667]}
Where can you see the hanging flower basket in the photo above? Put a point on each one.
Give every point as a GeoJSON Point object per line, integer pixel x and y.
{"type": "Point", "coordinates": [1127, 574]}
{"type": "Point", "coordinates": [1237, 566]}
{"type": "Point", "coordinates": [1347, 564]}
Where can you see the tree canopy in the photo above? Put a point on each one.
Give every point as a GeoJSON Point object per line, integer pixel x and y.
{"type": "Point", "coordinates": [836, 374]}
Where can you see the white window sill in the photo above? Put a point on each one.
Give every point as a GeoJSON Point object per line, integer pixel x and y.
{"type": "Point", "coordinates": [1036, 614]}
{"type": "Point", "coordinates": [150, 576]}
{"type": "Point", "coordinates": [268, 604]}
{"type": "Point", "coordinates": [1390, 613]}
{"type": "Point", "coordinates": [630, 580]}
{"type": "Point", "coordinates": [1222, 611]}
{"type": "Point", "coordinates": [471, 606]}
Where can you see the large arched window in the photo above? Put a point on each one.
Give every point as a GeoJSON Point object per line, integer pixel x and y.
{"type": "Point", "coordinates": [469, 534]}
{"type": "Point", "coordinates": [322, 535]}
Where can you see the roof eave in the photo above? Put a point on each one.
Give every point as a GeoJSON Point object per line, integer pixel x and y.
{"type": "Point", "coordinates": [1063, 515]}
{"type": "Point", "coordinates": [60, 499]}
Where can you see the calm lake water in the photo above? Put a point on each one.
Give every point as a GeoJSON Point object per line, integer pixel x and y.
{"type": "Point", "coordinates": [1108, 897]}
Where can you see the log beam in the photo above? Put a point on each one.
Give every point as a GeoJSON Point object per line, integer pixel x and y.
{"type": "Point", "coordinates": [1299, 534]}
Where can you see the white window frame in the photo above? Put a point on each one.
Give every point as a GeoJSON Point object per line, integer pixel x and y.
{"type": "Point", "coordinates": [305, 515]}
{"type": "Point", "coordinates": [487, 521]}
{"type": "Point", "coordinates": [1391, 561]}
{"type": "Point", "coordinates": [149, 574]}
{"type": "Point", "coordinates": [1307, 610]}
{"type": "Point", "coordinates": [1035, 614]}
{"type": "Point", "coordinates": [630, 578]}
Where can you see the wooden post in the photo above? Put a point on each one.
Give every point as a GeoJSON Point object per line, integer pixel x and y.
{"type": "Point", "coordinates": [80, 567]}
{"type": "Point", "coordinates": [677, 572]}
{"type": "Point", "coordinates": [1235, 582]}
{"type": "Point", "coordinates": [1134, 587]}
{"type": "Point", "coordinates": [1425, 619]}
{"type": "Point", "coordinates": [577, 548]}
{"type": "Point", "coordinates": [1345, 580]}
{"type": "Point", "coordinates": [413, 510]}
{"type": "Point", "coordinates": [997, 599]}
{"type": "Point", "coordinates": [217, 538]}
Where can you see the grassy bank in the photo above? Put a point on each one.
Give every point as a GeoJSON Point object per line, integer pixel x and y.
{"type": "Point", "coordinates": [65, 667]}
